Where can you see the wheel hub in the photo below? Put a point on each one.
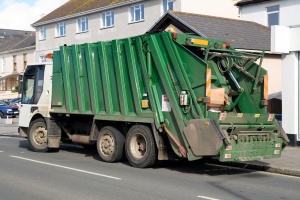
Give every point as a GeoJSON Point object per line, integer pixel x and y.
{"type": "Point", "coordinates": [40, 135]}
{"type": "Point", "coordinates": [138, 146]}
{"type": "Point", "coordinates": [107, 145]}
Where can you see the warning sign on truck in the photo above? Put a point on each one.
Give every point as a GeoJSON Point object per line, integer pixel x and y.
{"type": "Point", "coordinates": [166, 106]}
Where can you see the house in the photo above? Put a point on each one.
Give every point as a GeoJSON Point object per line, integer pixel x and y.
{"type": "Point", "coordinates": [16, 50]}
{"type": "Point", "coordinates": [81, 21]}
{"type": "Point", "coordinates": [283, 18]}
{"type": "Point", "coordinates": [242, 35]}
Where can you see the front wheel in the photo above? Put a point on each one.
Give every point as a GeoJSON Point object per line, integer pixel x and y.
{"type": "Point", "coordinates": [140, 147]}
{"type": "Point", "coordinates": [37, 135]}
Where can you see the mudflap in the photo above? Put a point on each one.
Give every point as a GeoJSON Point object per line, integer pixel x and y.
{"type": "Point", "coordinates": [253, 146]}
{"type": "Point", "coordinates": [205, 138]}
{"type": "Point", "coordinates": [53, 133]}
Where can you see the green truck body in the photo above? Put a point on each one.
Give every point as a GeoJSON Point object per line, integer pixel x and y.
{"type": "Point", "coordinates": [162, 96]}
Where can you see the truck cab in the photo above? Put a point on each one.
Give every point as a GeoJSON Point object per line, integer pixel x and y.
{"type": "Point", "coordinates": [36, 94]}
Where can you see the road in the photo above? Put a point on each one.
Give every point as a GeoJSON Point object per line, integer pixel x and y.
{"type": "Point", "coordinates": [75, 173]}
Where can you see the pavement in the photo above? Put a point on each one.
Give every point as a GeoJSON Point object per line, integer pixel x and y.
{"type": "Point", "coordinates": [288, 164]}
{"type": "Point", "coordinates": [8, 95]}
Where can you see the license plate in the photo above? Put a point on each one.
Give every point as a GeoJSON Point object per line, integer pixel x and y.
{"type": "Point", "coordinates": [16, 112]}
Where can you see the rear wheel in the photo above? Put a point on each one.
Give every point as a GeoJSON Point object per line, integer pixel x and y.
{"type": "Point", "coordinates": [140, 147]}
{"type": "Point", "coordinates": [37, 136]}
{"type": "Point", "coordinates": [110, 144]}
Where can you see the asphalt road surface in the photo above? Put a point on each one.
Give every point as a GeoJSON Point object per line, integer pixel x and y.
{"type": "Point", "coordinates": [78, 174]}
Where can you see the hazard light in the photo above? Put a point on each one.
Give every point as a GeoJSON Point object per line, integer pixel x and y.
{"type": "Point", "coordinates": [174, 36]}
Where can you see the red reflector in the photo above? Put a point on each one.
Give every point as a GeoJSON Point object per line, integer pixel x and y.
{"type": "Point", "coordinates": [227, 156]}
{"type": "Point", "coordinates": [174, 36]}
{"type": "Point", "coordinates": [229, 148]}
{"type": "Point", "coordinates": [271, 117]}
{"type": "Point", "coordinates": [227, 44]}
{"type": "Point", "coordinates": [222, 116]}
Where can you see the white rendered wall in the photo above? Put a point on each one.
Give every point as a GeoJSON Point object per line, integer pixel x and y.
{"type": "Point", "coordinates": [273, 64]}
{"type": "Point", "coordinates": [9, 62]}
{"type": "Point", "coordinates": [121, 29]}
{"type": "Point", "coordinates": [288, 12]}
{"type": "Point", "coordinates": [219, 8]}
{"type": "Point", "coordinates": [290, 93]}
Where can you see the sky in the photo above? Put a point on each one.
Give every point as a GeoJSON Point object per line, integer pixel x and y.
{"type": "Point", "coordinates": [20, 14]}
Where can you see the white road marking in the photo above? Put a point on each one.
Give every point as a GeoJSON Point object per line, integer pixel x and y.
{"type": "Point", "coordinates": [209, 198]}
{"type": "Point", "coordinates": [64, 167]}
{"type": "Point", "coordinates": [1, 151]}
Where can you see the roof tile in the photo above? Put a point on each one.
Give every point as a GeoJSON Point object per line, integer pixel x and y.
{"type": "Point", "coordinates": [241, 34]}
{"type": "Point", "coordinates": [77, 6]}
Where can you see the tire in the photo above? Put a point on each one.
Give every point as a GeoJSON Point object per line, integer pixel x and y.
{"type": "Point", "coordinates": [110, 144]}
{"type": "Point", "coordinates": [140, 147]}
{"type": "Point", "coordinates": [37, 136]}
{"type": "Point", "coordinates": [1, 114]}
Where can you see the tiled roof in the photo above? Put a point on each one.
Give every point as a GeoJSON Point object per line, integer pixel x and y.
{"type": "Point", "coordinates": [246, 2]}
{"type": "Point", "coordinates": [79, 6]}
{"type": "Point", "coordinates": [8, 34]}
{"type": "Point", "coordinates": [241, 34]}
{"type": "Point", "coordinates": [14, 40]}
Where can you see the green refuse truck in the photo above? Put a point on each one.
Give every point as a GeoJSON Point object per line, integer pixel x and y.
{"type": "Point", "coordinates": [152, 97]}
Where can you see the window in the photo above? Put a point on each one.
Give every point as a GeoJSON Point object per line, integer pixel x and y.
{"type": "Point", "coordinates": [137, 13]}
{"type": "Point", "coordinates": [15, 63]}
{"type": "Point", "coordinates": [43, 58]}
{"type": "Point", "coordinates": [167, 5]}
{"type": "Point", "coordinates": [24, 60]}
{"type": "Point", "coordinates": [108, 19]}
{"type": "Point", "coordinates": [83, 24]}
{"type": "Point", "coordinates": [43, 33]}
{"type": "Point", "coordinates": [3, 65]}
{"type": "Point", "coordinates": [61, 29]}
{"type": "Point", "coordinates": [33, 82]}
{"type": "Point", "coordinates": [273, 15]}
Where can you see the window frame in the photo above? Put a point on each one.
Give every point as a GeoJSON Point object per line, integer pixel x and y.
{"type": "Point", "coordinates": [43, 34]}
{"type": "Point", "coordinates": [166, 5]}
{"type": "Point", "coordinates": [104, 16]}
{"type": "Point", "coordinates": [268, 13]}
{"type": "Point", "coordinates": [132, 13]}
{"type": "Point", "coordinates": [58, 29]}
{"type": "Point", "coordinates": [81, 20]}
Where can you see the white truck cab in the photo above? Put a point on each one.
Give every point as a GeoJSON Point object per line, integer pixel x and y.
{"type": "Point", "coordinates": [36, 94]}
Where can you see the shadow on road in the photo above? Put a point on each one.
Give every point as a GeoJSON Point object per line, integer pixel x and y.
{"type": "Point", "coordinates": [210, 168]}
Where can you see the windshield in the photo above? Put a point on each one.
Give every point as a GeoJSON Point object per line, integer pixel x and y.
{"type": "Point", "coordinates": [33, 82]}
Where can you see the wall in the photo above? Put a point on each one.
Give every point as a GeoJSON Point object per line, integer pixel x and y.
{"type": "Point", "coordinates": [288, 12]}
{"type": "Point", "coordinates": [121, 29]}
{"type": "Point", "coordinates": [220, 8]}
{"type": "Point", "coordinates": [19, 59]}
{"type": "Point", "coordinates": [286, 40]}
{"type": "Point", "coordinates": [272, 63]}
{"type": "Point", "coordinates": [290, 115]}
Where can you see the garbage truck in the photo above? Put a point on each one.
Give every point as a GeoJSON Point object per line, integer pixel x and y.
{"type": "Point", "coordinates": [152, 97]}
